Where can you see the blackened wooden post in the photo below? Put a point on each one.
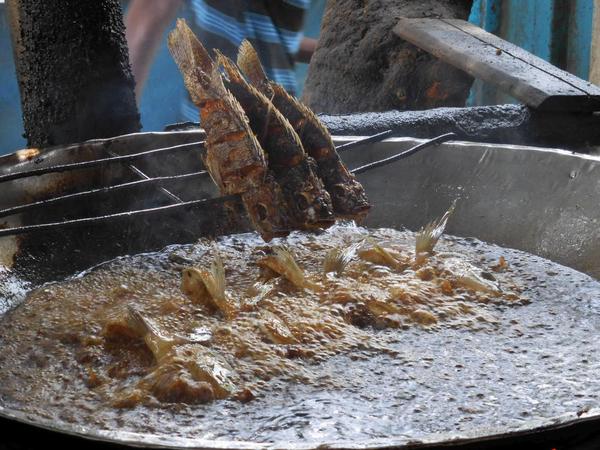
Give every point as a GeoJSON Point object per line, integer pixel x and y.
{"type": "Point", "coordinates": [73, 70]}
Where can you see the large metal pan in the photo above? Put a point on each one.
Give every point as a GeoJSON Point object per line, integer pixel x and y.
{"type": "Point", "coordinates": [543, 201]}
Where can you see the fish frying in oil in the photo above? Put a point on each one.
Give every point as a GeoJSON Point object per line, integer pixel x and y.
{"type": "Point", "coordinates": [246, 313]}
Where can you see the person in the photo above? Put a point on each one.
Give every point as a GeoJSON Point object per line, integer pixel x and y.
{"type": "Point", "coordinates": [274, 27]}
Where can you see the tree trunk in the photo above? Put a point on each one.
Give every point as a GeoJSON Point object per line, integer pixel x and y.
{"type": "Point", "coordinates": [360, 65]}
{"type": "Point", "coordinates": [73, 70]}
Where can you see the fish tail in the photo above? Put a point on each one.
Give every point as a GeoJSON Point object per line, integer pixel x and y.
{"type": "Point", "coordinates": [137, 322]}
{"type": "Point", "coordinates": [155, 342]}
{"type": "Point", "coordinates": [200, 74]}
{"type": "Point", "coordinates": [232, 71]}
{"type": "Point", "coordinates": [249, 63]}
{"type": "Point", "coordinates": [187, 50]}
{"type": "Point", "coordinates": [217, 271]}
{"type": "Point", "coordinates": [307, 113]}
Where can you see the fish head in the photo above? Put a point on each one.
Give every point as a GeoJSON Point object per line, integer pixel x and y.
{"type": "Point", "coordinates": [309, 202]}
{"type": "Point", "coordinates": [313, 207]}
{"type": "Point", "coordinates": [267, 210]}
{"type": "Point", "coordinates": [350, 201]}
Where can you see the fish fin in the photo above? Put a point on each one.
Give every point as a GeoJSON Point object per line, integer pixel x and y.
{"type": "Point", "coordinates": [249, 63]}
{"type": "Point", "coordinates": [232, 71]}
{"type": "Point", "coordinates": [384, 254]}
{"type": "Point", "coordinates": [200, 74]}
{"type": "Point", "coordinates": [234, 74]}
{"type": "Point", "coordinates": [293, 272]}
{"type": "Point", "coordinates": [158, 344]}
{"type": "Point", "coordinates": [240, 115]}
{"type": "Point", "coordinates": [215, 284]}
{"type": "Point", "coordinates": [217, 271]}
{"type": "Point", "coordinates": [137, 322]}
{"type": "Point", "coordinates": [189, 50]}
{"type": "Point", "coordinates": [428, 236]}
{"type": "Point", "coordinates": [338, 258]}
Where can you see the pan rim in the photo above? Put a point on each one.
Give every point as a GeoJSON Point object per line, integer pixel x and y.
{"type": "Point", "coordinates": [128, 438]}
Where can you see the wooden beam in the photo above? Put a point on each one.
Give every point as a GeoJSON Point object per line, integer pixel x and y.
{"type": "Point", "coordinates": [595, 51]}
{"type": "Point", "coordinates": [528, 78]}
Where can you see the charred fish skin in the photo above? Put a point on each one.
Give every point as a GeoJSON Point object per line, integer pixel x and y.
{"type": "Point", "coordinates": [234, 158]}
{"type": "Point", "coordinates": [348, 196]}
{"type": "Point", "coordinates": [294, 170]}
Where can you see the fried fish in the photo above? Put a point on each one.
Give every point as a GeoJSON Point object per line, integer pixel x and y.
{"type": "Point", "coordinates": [234, 158]}
{"type": "Point", "coordinates": [347, 194]}
{"type": "Point", "coordinates": [294, 170]}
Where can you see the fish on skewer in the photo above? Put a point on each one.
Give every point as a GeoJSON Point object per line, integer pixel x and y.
{"type": "Point", "coordinates": [234, 158]}
{"type": "Point", "coordinates": [347, 194]}
{"type": "Point", "coordinates": [294, 170]}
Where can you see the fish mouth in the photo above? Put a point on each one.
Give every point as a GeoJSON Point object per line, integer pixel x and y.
{"type": "Point", "coordinates": [358, 213]}
{"type": "Point", "coordinates": [319, 224]}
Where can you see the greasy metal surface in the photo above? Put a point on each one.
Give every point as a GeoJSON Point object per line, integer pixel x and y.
{"type": "Point", "coordinates": [51, 256]}
{"type": "Point", "coordinates": [540, 200]}
{"type": "Point", "coordinates": [543, 201]}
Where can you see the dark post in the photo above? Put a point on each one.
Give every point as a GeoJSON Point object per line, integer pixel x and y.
{"type": "Point", "coordinates": [73, 70]}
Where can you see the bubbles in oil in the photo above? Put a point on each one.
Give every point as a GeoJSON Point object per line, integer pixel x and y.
{"type": "Point", "coordinates": [484, 360]}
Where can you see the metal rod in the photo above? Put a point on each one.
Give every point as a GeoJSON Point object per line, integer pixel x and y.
{"type": "Point", "coordinates": [340, 148]}
{"type": "Point", "coordinates": [110, 217]}
{"type": "Point", "coordinates": [363, 141]}
{"type": "Point", "coordinates": [95, 162]}
{"type": "Point", "coordinates": [143, 176]}
{"type": "Point", "coordinates": [404, 154]}
{"type": "Point", "coordinates": [45, 203]}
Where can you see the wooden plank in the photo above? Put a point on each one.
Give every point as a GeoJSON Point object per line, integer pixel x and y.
{"type": "Point", "coordinates": [528, 78]}
{"type": "Point", "coordinates": [595, 52]}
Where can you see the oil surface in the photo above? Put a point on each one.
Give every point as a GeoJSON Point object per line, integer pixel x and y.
{"type": "Point", "coordinates": [383, 351]}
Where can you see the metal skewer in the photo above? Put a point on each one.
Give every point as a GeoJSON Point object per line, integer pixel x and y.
{"type": "Point", "coordinates": [99, 191]}
{"type": "Point", "coordinates": [363, 141]}
{"type": "Point", "coordinates": [159, 181]}
{"type": "Point", "coordinates": [111, 217]}
{"type": "Point", "coordinates": [131, 157]}
{"type": "Point", "coordinates": [143, 176]}
{"type": "Point", "coordinates": [404, 154]}
{"type": "Point", "coordinates": [96, 162]}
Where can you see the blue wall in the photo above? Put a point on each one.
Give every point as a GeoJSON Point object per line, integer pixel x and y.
{"type": "Point", "coordinates": [559, 31]}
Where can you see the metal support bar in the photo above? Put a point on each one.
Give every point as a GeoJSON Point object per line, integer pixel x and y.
{"type": "Point", "coordinates": [95, 162]}
{"type": "Point", "coordinates": [404, 154]}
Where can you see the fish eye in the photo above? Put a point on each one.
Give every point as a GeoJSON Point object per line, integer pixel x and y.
{"type": "Point", "coordinates": [261, 212]}
{"type": "Point", "coordinates": [339, 189]}
{"type": "Point", "coordinates": [301, 201]}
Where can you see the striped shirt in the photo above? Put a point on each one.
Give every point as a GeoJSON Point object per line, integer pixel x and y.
{"type": "Point", "coordinates": [274, 27]}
